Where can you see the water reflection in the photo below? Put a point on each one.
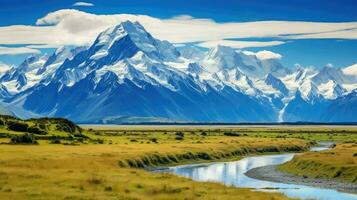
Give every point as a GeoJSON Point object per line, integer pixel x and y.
{"type": "Point", "coordinates": [232, 173]}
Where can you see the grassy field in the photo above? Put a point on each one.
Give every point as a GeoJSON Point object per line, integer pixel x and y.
{"type": "Point", "coordinates": [339, 164]}
{"type": "Point", "coordinates": [91, 171]}
{"type": "Point", "coordinates": [311, 133]}
{"type": "Point", "coordinates": [106, 162]}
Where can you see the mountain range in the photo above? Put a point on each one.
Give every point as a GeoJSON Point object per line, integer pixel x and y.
{"type": "Point", "coordinates": [128, 74]}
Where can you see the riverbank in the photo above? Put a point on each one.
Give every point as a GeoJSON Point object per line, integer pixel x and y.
{"type": "Point", "coordinates": [337, 164]}
{"type": "Point", "coordinates": [113, 169]}
{"type": "Point", "coordinates": [333, 168]}
{"type": "Point", "coordinates": [109, 163]}
{"type": "Point", "coordinates": [271, 173]}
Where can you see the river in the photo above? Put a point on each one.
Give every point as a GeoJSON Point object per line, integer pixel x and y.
{"type": "Point", "coordinates": [233, 174]}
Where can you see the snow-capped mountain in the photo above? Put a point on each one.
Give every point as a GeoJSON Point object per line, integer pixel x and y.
{"type": "Point", "coordinates": [3, 68]}
{"type": "Point", "coordinates": [35, 69]}
{"type": "Point", "coordinates": [351, 70]}
{"type": "Point", "coordinates": [276, 84]}
{"type": "Point", "coordinates": [222, 57]}
{"type": "Point", "coordinates": [128, 72]}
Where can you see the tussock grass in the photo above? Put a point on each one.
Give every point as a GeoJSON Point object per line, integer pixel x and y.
{"type": "Point", "coordinates": [318, 133]}
{"type": "Point", "coordinates": [338, 164]}
{"type": "Point", "coordinates": [108, 163]}
{"type": "Point", "coordinates": [92, 171]}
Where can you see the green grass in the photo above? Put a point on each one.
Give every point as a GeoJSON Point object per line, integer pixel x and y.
{"type": "Point", "coordinates": [107, 162]}
{"type": "Point", "coordinates": [93, 171]}
{"type": "Point", "coordinates": [338, 164]}
{"type": "Point", "coordinates": [311, 133]}
{"type": "Point", "coordinates": [42, 128]}
{"type": "Point", "coordinates": [108, 165]}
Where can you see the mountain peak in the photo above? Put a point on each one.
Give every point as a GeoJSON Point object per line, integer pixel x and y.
{"type": "Point", "coordinates": [134, 30]}
{"type": "Point", "coordinates": [221, 50]}
{"type": "Point", "coordinates": [139, 37]}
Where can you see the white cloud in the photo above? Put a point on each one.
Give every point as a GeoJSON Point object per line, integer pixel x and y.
{"type": "Point", "coordinates": [265, 55]}
{"type": "Point", "coordinates": [83, 4]}
{"type": "Point", "coordinates": [17, 50]}
{"type": "Point", "coordinates": [43, 46]}
{"type": "Point", "coordinates": [74, 27]}
{"type": "Point", "coordinates": [239, 44]}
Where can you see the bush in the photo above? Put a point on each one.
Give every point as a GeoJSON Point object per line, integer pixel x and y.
{"type": "Point", "coordinates": [55, 141]}
{"type": "Point", "coordinates": [36, 130]}
{"type": "Point", "coordinates": [231, 134]}
{"type": "Point", "coordinates": [27, 138]}
{"type": "Point", "coordinates": [42, 126]}
{"type": "Point", "coordinates": [154, 140]}
{"type": "Point", "coordinates": [179, 136]}
{"type": "Point", "coordinates": [2, 122]}
{"type": "Point", "coordinates": [17, 126]}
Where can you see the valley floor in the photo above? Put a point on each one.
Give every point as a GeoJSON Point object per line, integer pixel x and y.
{"type": "Point", "coordinates": [110, 164]}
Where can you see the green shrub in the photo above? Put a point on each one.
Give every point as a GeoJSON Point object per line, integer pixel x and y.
{"type": "Point", "coordinates": [231, 134]}
{"type": "Point", "coordinates": [154, 140]}
{"type": "Point", "coordinates": [55, 141]}
{"type": "Point", "coordinates": [36, 130]}
{"type": "Point", "coordinates": [17, 126]}
{"type": "Point", "coordinates": [2, 122]}
{"type": "Point", "coordinates": [27, 138]}
{"type": "Point", "coordinates": [42, 126]}
{"type": "Point", "coordinates": [179, 136]}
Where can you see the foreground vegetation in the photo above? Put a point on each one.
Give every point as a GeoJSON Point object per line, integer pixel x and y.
{"type": "Point", "coordinates": [28, 131]}
{"type": "Point", "coordinates": [91, 171]}
{"type": "Point", "coordinates": [106, 162]}
{"type": "Point", "coordinates": [339, 164]}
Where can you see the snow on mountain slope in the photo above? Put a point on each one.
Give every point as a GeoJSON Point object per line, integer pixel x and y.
{"type": "Point", "coordinates": [276, 84]}
{"type": "Point", "coordinates": [222, 57]}
{"type": "Point", "coordinates": [4, 68]}
{"type": "Point", "coordinates": [192, 53]}
{"type": "Point", "coordinates": [3, 92]}
{"type": "Point", "coordinates": [24, 76]}
{"type": "Point", "coordinates": [351, 70]}
{"type": "Point", "coordinates": [154, 48]}
{"type": "Point", "coordinates": [332, 73]}
{"type": "Point", "coordinates": [127, 72]}
{"type": "Point", "coordinates": [138, 75]}
{"type": "Point", "coordinates": [35, 69]}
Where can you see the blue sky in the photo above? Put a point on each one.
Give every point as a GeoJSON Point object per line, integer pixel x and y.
{"type": "Point", "coordinates": [307, 51]}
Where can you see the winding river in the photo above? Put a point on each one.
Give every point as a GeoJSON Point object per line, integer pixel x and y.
{"type": "Point", "coordinates": [233, 173]}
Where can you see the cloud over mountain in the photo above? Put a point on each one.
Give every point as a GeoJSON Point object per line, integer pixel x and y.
{"type": "Point", "coordinates": [17, 50]}
{"type": "Point", "coordinates": [74, 27]}
{"type": "Point", "coordinates": [128, 72]}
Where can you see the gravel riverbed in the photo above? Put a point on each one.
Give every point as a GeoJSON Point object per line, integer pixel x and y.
{"type": "Point", "coordinates": [271, 173]}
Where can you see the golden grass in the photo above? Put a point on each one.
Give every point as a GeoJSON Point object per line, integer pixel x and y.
{"type": "Point", "coordinates": [318, 133]}
{"type": "Point", "coordinates": [91, 171]}
{"type": "Point", "coordinates": [339, 163]}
